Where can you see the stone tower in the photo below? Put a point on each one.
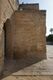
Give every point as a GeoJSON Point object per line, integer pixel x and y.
{"type": "Point", "coordinates": [26, 39]}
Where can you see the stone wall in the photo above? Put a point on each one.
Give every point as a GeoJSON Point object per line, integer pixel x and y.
{"type": "Point", "coordinates": [25, 31]}
{"type": "Point", "coordinates": [7, 7]}
{"type": "Point", "coordinates": [29, 6]}
{"type": "Point", "coordinates": [27, 35]}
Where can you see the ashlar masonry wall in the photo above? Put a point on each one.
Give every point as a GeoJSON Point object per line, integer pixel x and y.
{"type": "Point", "coordinates": [27, 35]}
{"type": "Point", "coordinates": [7, 7]}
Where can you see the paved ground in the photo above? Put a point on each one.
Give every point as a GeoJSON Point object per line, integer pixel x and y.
{"type": "Point", "coordinates": [28, 78]}
{"type": "Point", "coordinates": [34, 71]}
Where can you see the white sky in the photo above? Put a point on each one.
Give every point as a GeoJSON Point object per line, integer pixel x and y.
{"type": "Point", "coordinates": [48, 5]}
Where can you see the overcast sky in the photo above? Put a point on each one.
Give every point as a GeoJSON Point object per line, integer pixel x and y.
{"type": "Point", "coordinates": [44, 4]}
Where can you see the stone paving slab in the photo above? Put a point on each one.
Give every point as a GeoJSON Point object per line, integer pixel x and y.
{"type": "Point", "coordinates": [28, 78]}
{"type": "Point", "coordinates": [10, 78]}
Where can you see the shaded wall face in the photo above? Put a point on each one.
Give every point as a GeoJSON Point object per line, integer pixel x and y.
{"type": "Point", "coordinates": [7, 38]}
{"type": "Point", "coordinates": [26, 37]}
{"type": "Point", "coordinates": [29, 6]}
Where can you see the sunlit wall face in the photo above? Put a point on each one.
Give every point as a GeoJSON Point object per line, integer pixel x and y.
{"type": "Point", "coordinates": [44, 4]}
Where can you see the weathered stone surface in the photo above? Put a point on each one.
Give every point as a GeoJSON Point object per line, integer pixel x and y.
{"type": "Point", "coordinates": [10, 78]}
{"type": "Point", "coordinates": [25, 32]}
{"type": "Point", "coordinates": [27, 35]}
{"type": "Point", "coordinates": [7, 7]}
{"type": "Point", "coordinates": [29, 6]}
{"type": "Point", "coordinates": [28, 78]}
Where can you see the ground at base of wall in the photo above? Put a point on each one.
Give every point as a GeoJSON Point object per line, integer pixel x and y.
{"type": "Point", "coordinates": [28, 78]}
{"type": "Point", "coordinates": [34, 71]}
